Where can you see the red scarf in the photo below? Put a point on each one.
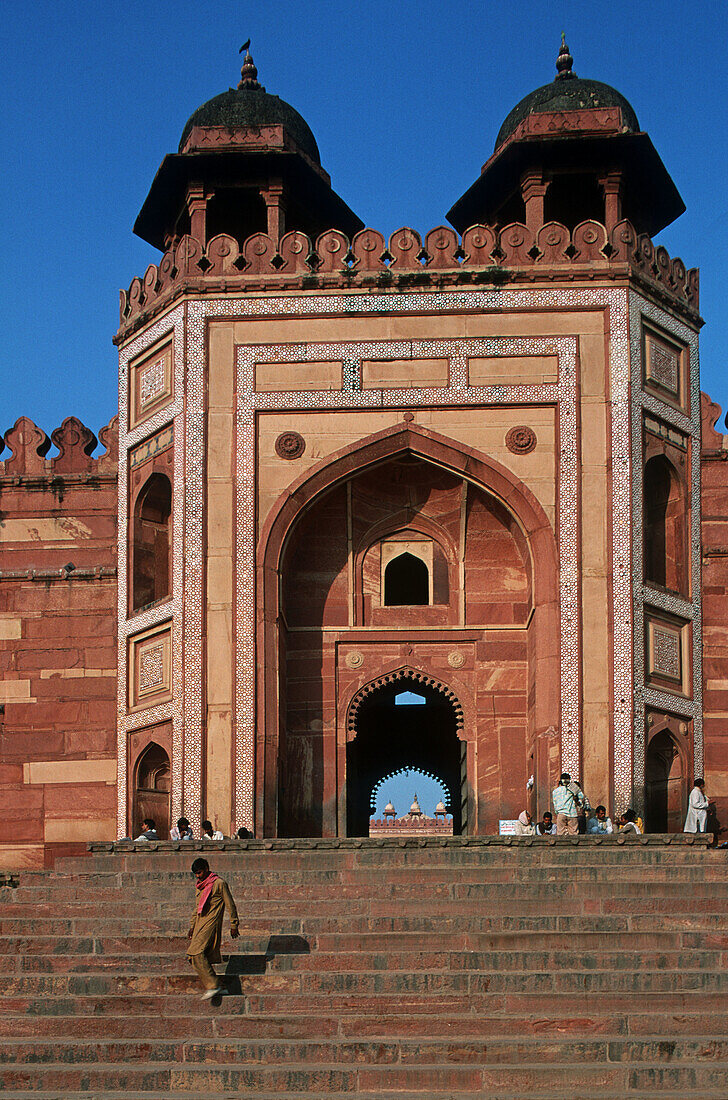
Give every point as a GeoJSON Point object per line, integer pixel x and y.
{"type": "Point", "coordinates": [204, 887]}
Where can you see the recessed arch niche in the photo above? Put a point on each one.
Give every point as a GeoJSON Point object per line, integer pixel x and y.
{"type": "Point", "coordinates": [150, 539]}
{"type": "Point", "coordinates": [316, 591]}
{"type": "Point", "coordinates": [152, 784]}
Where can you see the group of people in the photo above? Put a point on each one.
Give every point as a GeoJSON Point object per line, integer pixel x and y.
{"type": "Point", "coordinates": [183, 831]}
{"type": "Point", "coordinates": [574, 814]}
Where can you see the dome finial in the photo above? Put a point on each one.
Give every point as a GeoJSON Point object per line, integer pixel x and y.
{"type": "Point", "coordinates": [564, 61]}
{"type": "Point", "coordinates": [249, 73]}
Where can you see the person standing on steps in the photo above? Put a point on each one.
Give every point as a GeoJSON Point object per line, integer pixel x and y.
{"type": "Point", "coordinates": [567, 801]}
{"type": "Point", "coordinates": [698, 803]}
{"type": "Point", "coordinates": [205, 934]}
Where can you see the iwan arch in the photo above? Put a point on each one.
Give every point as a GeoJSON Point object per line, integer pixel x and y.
{"type": "Point", "coordinates": [400, 460]}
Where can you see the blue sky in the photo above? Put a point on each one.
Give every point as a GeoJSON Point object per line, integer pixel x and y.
{"type": "Point", "coordinates": [405, 99]}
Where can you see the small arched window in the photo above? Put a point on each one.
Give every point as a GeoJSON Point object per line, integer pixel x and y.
{"type": "Point", "coordinates": [664, 525]}
{"type": "Point", "coordinates": [406, 581]}
{"type": "Point", "coordinates": [151, 542]}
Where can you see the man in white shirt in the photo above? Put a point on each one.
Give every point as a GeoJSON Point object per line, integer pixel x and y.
{"type": "Point", "coordinates": [698, 803]}
{"type": "Point", "coordinates": [567, 799]}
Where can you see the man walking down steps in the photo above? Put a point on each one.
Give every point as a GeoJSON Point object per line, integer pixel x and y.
{"type": "Point", "coordinates": [205, 934]}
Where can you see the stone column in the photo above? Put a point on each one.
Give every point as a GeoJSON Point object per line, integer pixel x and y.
{"type": "Point", "coordinates": [533, 190]}
{"type": "Point", "coordinates": [611, 186]}
{"type": "Point", "coordinates": [276, 211]}
{"type": "Point", "coordinates": [197, 209]}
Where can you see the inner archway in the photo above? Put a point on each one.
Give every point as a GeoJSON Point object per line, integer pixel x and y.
{"type": "Point", "coordinates": [152, 790]}
{"type": "Point", "coordinates": [390, 736]}
{"type": "Point", "coordinates": [664, 785]}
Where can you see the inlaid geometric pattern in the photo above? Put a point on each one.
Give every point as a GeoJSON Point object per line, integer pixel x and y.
{"type": "Point", "coordinates": [666, 653]}
{"type": "Point", "coordinates": [456, 393]}
{"type": "Point", "coordinates": [141, 442]}
{"type": "Point", "coordinates": [151, 384]}
{"type": "Point", "coordinates": [151, 667]}
{"type": "Point", "coordinates": [663, 366]}
{"type": "Point", "coordinates": [646, 318]}
{"type": "Point", "coordinates": [159, 443]}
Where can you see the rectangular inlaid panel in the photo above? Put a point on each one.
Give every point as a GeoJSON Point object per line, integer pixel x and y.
{"type": "Point", "coordinates": [403, 373]}
{"type": "Point", "coordinates": [513, 370]}
{"type": "Point", "coordinates": [274, 377]}
{"type": "Point", "coordinates": [151, 383]}
{"type": "Point", "coordinates": [150, 664]}
{"type": "Point", "coordinates": [152, 447]}
{"type": "Point", "coordinates": [664, 367]}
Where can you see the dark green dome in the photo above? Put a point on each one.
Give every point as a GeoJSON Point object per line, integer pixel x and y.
{"type": "Point", "coordinates": [574, 94]}
{"type": "Point", "coordinates": [243, 107]}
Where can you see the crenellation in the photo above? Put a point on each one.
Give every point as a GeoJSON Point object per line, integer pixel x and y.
{"type": "Point", "coordinates": [513, 249]}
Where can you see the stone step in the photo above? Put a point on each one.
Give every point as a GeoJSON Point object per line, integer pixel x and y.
{"type": "Point", "coordinates": [654, 1005]}
{"type": "Point", "coordinates": [705, 869]}
{"type": "Point", "coordinates": [349, 962]}
{"type": "Point", "coordinates": [29, 926]}
{"type": "Point", "coordinates": [300, 987]}
{"type": "Point", "coordinates": [325, 944]}
{"type": "Point", "coordinates": [371, 971]}
{"type": "Point", "coordinates": [455, 896]}
{"type": "Point", "coordinates": [193, 1026]}
{"type": "Point", "coordinates": [433, 1080]}
{"type": "Point", "coordinates": [400, 1051]}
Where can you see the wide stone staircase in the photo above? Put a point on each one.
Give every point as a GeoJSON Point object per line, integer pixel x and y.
{"type": "Point", "coordinates": [429, 968]}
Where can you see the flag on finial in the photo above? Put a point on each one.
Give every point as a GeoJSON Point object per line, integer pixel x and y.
{"type": "Point", "coordinates": [249, 73]}
{"type": "Point", "coordinates": [564, 61]}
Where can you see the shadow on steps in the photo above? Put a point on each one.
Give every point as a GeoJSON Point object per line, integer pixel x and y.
{"type": "Point", "coordinates": [238, 966]}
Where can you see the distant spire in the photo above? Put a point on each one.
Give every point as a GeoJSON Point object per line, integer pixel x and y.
{"type": "Point", "coordinates": [249, 73]}
{"type": "Point", "coordinates": [564, 62]}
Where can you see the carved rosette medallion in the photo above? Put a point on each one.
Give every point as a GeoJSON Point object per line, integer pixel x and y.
{"type": "Point", "coordinates": [456, 659]}
{"type": "Point", "coordinates": [290, 445]}
{"type": "Point", "coordinates": [521, 440]}
{"type": "Point", "coordinates": [355, 659]}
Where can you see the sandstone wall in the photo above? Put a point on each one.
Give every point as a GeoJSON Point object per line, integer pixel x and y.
{"type": "Point", "coordinates": [57, 642]}
{"type": "Point", "coordinates": [714, 499]}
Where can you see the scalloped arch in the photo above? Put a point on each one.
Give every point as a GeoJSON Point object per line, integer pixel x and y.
{"type": "Point", "coordinates": [413, 768]}
{"type": "Point", "coordinates": [394, 677]}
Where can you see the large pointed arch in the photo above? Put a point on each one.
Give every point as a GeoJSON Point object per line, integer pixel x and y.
{"type": "Point", "coordinates": [473, 465]}
{"type": "Point", "coordinates": [484, 472]}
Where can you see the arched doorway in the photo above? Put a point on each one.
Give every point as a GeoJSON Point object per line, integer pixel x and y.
{"type": "Point", "coordinates": [664, 785]}
{"type": "Point", "coordinates": [152, 790]}
{"type": "Point", "coordinates": [391, 732]}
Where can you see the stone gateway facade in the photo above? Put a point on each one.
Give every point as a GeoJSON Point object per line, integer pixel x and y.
{"type": "Point", "coordinates": [470, 466]}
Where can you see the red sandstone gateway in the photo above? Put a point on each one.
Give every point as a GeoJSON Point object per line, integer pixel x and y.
{"type": "Point", "coordinates": [348, 467]}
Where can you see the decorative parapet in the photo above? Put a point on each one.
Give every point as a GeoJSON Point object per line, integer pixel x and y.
{"type": "Point", "coordinates": [76, 443]}
{"type": "Point", "coordinates": [713, 443]}
{"type": "Point", "coordinates": [494, 255]}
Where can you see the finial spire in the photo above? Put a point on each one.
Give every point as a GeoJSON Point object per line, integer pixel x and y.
{"type": "Point", "coordinates": [249, 73]}
{"type": "Point", "coordinates": [564, 61]}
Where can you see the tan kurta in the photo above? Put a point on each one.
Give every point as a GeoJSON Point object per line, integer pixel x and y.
{"type": "Point", "coordinates": [207, 926]}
